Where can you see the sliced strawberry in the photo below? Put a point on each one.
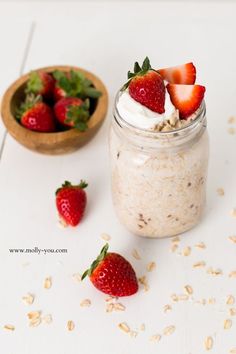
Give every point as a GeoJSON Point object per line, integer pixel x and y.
{"type": "Point", "coordinates": [181, 74]}
{"type": "Point", "coordinates": [186, 98]}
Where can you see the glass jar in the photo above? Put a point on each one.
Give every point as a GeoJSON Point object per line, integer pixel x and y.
{"type": "Point", "coordinates": [159, 178]}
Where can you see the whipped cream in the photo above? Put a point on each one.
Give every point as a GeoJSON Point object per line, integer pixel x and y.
{"type": "Point", "coordinates": [142, 117]}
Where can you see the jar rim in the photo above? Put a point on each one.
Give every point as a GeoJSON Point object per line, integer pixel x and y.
{"type": "Point", "coordinates": [161, 134]}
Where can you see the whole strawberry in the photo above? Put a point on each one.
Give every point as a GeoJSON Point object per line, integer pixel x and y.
{"type": "Point", "coordinates": [146, 86]}
{"type": "Point", "coordinates": [72, 112]}
{"type": "Point", "coordinates": [36, 115]}
{"type": "Point", "coordinates": [40, 83]}
{"type": "Point", "coordinates": [112, 274]}
{"type": "Point", "coordinates": [71, 201]}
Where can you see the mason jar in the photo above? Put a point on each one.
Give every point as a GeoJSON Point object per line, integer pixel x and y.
{"type": "Point", "coordinates": [159, 178]}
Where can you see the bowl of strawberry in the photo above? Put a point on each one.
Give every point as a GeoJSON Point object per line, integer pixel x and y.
{"type": "Point", "coordinates": [55, 110]}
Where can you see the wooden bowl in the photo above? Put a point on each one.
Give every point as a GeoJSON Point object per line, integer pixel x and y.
{"type": "Point", "coordinates": [51, 143]}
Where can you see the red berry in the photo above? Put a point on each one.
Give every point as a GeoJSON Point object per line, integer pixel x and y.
{"type": "Point", "coordinates": [147, 87]}
{"type": "Point", "coordinates": [37, 115]}
{"type": "Point", "coordinates": [186, 98]}
{"type": "Point", "coordinates": [72, 112]}
{"type": "Point", "coordinates": [112, 274]}
{"type": "Point", "coordinates": [181, 74]}
{"type": "Point", "coordinates": [71, 202]}
{"type": "Point", "coordinates": [58, 93]}
{"type": "Point", "coordinates": [41, 83]}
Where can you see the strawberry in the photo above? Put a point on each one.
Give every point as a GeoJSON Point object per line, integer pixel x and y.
{"type": "Point", "coordinates": [71, 202]}
{"type": "Point", "coordinates": [182, 74]}
{"type": "Point", "coordinates": [147, 87]}
{"type": "Point", "coordinates": [112, 274]}
{"type": "Point", "coordinates": [72, 112]}
{"type": "Point", "coordinates": [73, 84]}
{"type": "Point", "coordinates": [40, 83]}
{"type": "Point", "coordinates": [36, 115]}
{"type": "Point", "coordinates": [186, 98]}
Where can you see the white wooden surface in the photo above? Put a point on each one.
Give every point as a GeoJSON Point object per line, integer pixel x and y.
{"type": "Point", "coordinates": [107, 41]}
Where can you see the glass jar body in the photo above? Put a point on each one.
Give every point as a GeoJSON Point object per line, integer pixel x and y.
{"type": "Point", "coordinates": [159, 190]}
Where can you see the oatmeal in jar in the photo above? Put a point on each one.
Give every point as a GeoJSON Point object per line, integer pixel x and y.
{"type": "Point", "coordinates": [159, 151]}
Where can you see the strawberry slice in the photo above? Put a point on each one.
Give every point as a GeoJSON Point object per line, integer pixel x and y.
{"type": "Point", "coordinates": [181, 74]}
{"type": "Point", "coordinates": [186, 98]}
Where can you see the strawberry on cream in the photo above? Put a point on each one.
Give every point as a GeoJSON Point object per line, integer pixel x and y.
{"type": "Point", "coordinates": [139, 116]}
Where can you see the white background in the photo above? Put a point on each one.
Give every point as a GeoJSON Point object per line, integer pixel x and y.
{"type": "Point", "coordinates": [107, 38]}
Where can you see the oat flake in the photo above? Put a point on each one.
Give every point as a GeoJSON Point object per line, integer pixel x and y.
{"type": "Point", "coordinates": [227, 324]}
{"type": "Point", "coordinates": [124, 327]}
{"type": "Point", "coordinates": [230, 300]}
{"type": "Point", "coordinates": [169, 330]}
{"type": "Point", "coordinates": [208, 343]}
{"type": "Point", "coordinates": [151, 266]}
{"type": "Point", "coordinates": [9, 327]}
{"type": "Point", "coordinates": [48, 283]}
{"type": "Point", "coordinates": [136, 255]}
{"type": "Point", "coordinates": [155, 338]}
{"type": "Point", "coordinates": [70, 325]}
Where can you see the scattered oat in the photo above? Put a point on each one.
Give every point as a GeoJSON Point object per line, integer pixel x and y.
{"type": "Point", "coordinates": [119, 307]}
{"type": "Point", "coordinates": [109, 307]}
{"type": "Point", "coordinates": [70, 325]}
{"type": "Point", "coordinates": [231, 131]}
{"type": "Point", "coordinates": [34, 315]}
{"type": "Point", "coordinates": [200, 264]}
{"type": "Point", "coordinates": [142, 327]}
{"type": "Point", "coordinates": [47, 319]}
{"type": "Point", "coordinates": [77, 277]}
{"type": "Point", "coordinates": [174, 298]}
{"type": "Point", "coordinates": [167, 308]}
{"type": "Point", "coordinates": [230, 300]}
{"type": "Point", "coordinates": [155, 338]}
{"type": "Point", "coordinates": [214, 272]}
{"type": "Point", "coordinates": [48, 283]}
{"type": "Point", "coordinates": [232, 311]}
{"type": "Point", "coordinates": [136, 255]}
{"type": "Point", "coordinates": [227, 324]}
{"type": "Point", "coordinates": [200, 245]}
{"type": "Point", "coordinates": [174, 247]}
{"type": "Point", "coordinates": [124, 327]}
{"type": "Point", "coordinates": [143, 280]}
{"type": "Point", "coordinates": [105, 237]}
{"type": "Point", "coordinates": [220, 192]}
{"type": "Point", "coordinates": [232, 120]}
{"type": "Point", "coordinates": [151, 266]}
{"type": "Point", "coordinates": [133, 334]}
{"type": "Point", "coordinates": [232, 274]}
{"type": "Point", "coordinates": [233, 213]}
{"type": "Point", "coordinates": [232, 351]}
{"type": "Point", "coordinates": [85, 303]}
{"type": "Point", "coordinates": [35, 322]}
{"type": "Point", "coordinates": [208, 343]}
{"type": "Point", "coordinates": [186, 251]}
{"type": "Point", "coordinates": [211, 301]}
{"type": "Point", "coordinates": [169, 330]}
{"type": "Point", "coordinates": [28, 299]}
{"type": "Point", "coordinates": [110, 298]}
{"type": "Point", "coordinates": [61, 222]}
{"type": "Point", "coordinates": [232, 238]}
{"type": "Point", "coordinates": [9, 327]}
{"type": "Point", "coordinates": [188, 289]}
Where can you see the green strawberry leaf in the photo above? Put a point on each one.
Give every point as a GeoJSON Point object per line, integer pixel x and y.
{"type": "Point", "coordinates": [78, 115]}
{"type": "Point", "coordinates": [34, 84]}
{"type": "Point", "coordinates": [146, 64]}
{"type": "Point", "coordinates": [137, 67]}
{"type": "Point", "coordinates": [95, 263]}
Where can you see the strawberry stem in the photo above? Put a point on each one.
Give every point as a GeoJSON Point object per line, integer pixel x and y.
{"type": "Point", "coordinates": [138, 71]}
{"type": "Point", "coordinates": [95, 263]}
{"type": "Point", "coordinates": [83, 184]}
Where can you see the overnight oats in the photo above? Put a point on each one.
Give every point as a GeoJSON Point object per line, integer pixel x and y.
{"type": "Point", "coordinates": [159, 151]}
